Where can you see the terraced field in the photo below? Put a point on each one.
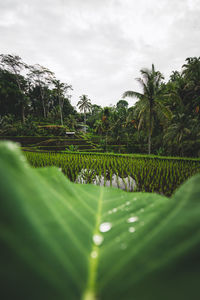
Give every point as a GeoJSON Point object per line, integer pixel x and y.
{"type": "Point", "coordinates": [130, 172]}
{"type": "Point", "coordinates": [56, 143]}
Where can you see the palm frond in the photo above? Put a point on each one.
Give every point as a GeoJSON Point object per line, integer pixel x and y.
{"type": "Point", "coordinates": [162, 110]}
{"type": "Point", "coordinates": [133, 94]}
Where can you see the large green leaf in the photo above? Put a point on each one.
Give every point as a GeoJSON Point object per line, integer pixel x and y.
{"type": "Point", "coordinates": [61, 240]}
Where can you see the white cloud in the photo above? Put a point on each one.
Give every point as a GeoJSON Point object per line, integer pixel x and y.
{"type": "Point", "coordinates": [100, 46]}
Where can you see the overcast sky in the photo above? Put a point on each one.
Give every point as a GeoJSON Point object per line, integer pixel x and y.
{"type": "Point", "coordinates": [99, 46]}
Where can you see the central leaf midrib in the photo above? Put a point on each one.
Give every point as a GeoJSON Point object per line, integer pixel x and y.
{"type": "Point", "coordinates": [90, 290]}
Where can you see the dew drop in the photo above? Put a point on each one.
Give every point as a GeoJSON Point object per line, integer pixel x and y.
{"type": "Point", "coordinates": [132, 219]}
{"type": "Point", "coordinates": [131, 229]}
{"type": "Point", "coordinates": [94, 254]}
{"type": "Point", "coordinates": [104, 227]}
{"type": "Point", "coordinates": [97, 239]}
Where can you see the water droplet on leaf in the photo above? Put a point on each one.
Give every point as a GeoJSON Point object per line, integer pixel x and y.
{"type": "Point", "coordinates": [131, 229]}
{"type": "Point", "coordinates": [104, 227]}
{"type": "Point", "coordinates": [132, 219]}
{"type": "Point", "coordinates": [94, 254]}
{"type": "Point", "coordinates": [97, 239]}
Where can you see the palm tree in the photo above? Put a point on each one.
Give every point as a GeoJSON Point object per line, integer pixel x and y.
{"type": "Point", "coordinates": [99, 127]}
{"type": "Point", "coordinates": [191, 73]}
{"type": "Point", "coordinates": [178, 132]}
{"type": "Point", "coordinates": [84, 105]}
{"type": "Point", "coordinates": [149, 102]}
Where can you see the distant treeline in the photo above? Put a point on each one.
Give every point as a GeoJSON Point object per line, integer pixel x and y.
{"type": "Point", "coordinates": [165, 120]}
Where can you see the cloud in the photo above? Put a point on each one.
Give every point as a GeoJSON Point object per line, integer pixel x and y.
{"type": "Point", "coordinates": [100, 46]}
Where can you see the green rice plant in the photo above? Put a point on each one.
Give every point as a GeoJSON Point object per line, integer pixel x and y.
{"type": "Point", "coordinates": [162, 175]}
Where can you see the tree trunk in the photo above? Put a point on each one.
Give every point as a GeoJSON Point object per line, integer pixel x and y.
{"type": "Point", "coordinates": [61, 116]}
{"type": "Point", "coordinates": [85, 120]}
{"type": "Point", "coordinates": [43, 104]}
{"type": "Point", "coordinates": [61, 103]}
{"type": "Point", "coordinates": [84, 117]}
{"type": "Point", "coordinates": [22, 93]}
{"type": "Point", "coordinates": [149, 141]}
{"type": "Point", "coordinates": [44, 109]}
{"type": "Point", "coordinates": [150, 127]}
{"type": "Point", "coordinates": [23, 115]}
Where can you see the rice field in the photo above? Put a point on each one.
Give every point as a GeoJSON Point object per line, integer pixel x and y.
{"type": "Point", "coordinates": [129, 172]}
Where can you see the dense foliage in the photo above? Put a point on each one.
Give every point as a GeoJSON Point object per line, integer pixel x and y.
{"type": "Point", "coordinates": [165, 120]}
{"type": "Point", "coordinates": [35, 89]}
{"type": "Point", "coordinates": [152, 174]}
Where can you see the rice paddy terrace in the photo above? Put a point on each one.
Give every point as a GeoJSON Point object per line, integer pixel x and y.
{"type": "Point", "coordinates": [53, 143]}
{"type": "Point", "coordinates": [129, 172]}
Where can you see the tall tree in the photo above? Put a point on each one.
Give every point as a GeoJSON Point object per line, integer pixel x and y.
{"type": "Point", "coordinates": [14, 65]}
{"type": "Point", "coordinates": [150, 100]}
{"type": "Point", "coordinates": [9, 94]}
{"type": "Point", "coordinates": [41, 77]}
{"type": "Point", "coordinates": [84, 104]}
{"type": "Point", "coordinates": [122, 110]}
{"type": "Point", "coordinates": [191, 73]}
{"type": "Point", "coordinates": [122, 104]}
{"type": "Point", "coordinates": [61, 90]}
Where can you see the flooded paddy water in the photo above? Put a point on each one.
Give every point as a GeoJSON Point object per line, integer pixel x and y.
{"type": "Point", "coordinates": [124, 183]}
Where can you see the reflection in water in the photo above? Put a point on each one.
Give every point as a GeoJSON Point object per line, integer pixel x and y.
{"type": "Point", "coordinates": [89, 176]}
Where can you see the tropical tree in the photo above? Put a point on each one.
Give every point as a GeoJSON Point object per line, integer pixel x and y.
{"type": "Point", "coordinates": [84, 104]}
{"type": "Point", "coordinates": [61, 90]}
{"type": "Point", "coordinates": [14, 65]}
{"type": "Point", "coordinates": [99, 127]}
{"type": "Point", "coordinates": [122, 104]}
{"type": "Point", "coordinates": [177, 133]}
{"type": "Point", "coordinates": [9, 95]}
{"type": "Point", "coordinates": [41, 77]}
{"type": "Point", "coordinates": [191, 70]}
{"type": "Point", "coordinates": [181, 136]}
{"type": "Point", "coordinates": [191, 74]}
{"type": "Point", "coordinates": [149, 103]}
{"type": "Point", "coordinates": [122, 110]}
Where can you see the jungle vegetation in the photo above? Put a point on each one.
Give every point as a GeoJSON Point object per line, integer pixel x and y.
{"type": "Point", "coordinates": [165, 119]}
